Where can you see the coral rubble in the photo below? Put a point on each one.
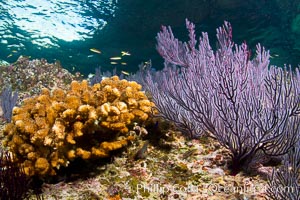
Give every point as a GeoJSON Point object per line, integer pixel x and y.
{"type": "Point", "coordinates": [32, 75]}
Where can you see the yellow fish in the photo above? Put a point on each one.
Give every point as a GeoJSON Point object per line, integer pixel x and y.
{"type": "Point", "coordinates": [113, 63]}
{"type": "Point", "coordinates": [124, 72]}
{"type": "Point", "coordinates": [10, 55]}
{"type": "Point", "coordinates": [125, 53]}
{"type": "Point", "coordinates": [115, 58]}
{"type": "Point", "coordinates": [123, 63]}
{"type": "Point", "coordinates": [95, 50]}
{"type": "Point", "coordinates": [273, 56]}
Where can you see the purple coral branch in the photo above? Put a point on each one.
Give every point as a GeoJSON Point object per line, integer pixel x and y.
{"type": "Point", "coordinates": [14, 184]}
{"type": "Point", "coordinates": [284, 182]}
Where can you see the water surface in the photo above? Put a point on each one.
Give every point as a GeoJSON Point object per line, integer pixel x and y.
{"type": "Point", "coordinates": [66, 30]}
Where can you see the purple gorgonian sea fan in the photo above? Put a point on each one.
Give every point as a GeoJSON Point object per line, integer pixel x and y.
{"type": "Point", "coordinates": [8, 101]}
{"type": "Point", "coordinates": [285, 180]}
{"type": "Point", "coordinates": [250, 107]}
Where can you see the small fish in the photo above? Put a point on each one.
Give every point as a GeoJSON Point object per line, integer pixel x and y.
{"type": "Point", "coordinates": [188, 153]}
{"type": "Point", "coordinates": [115, 58]}
{"type": "Point", "coordinates": [146, 64]}
{"type": "Point", "coordinates": [125, 53]}
{"type": "Point", "coordinates": [14, 51]}
{"type": "Point", "coordinates": [113, 63]}
{"type": "Point", "coordinates": [140, 154]}
{"type": "Point", "coordinates": [89, 56]}
{"type": "Point", "coordinates": [124, 72]}
{"type": "Point", "coordinates": [95, 50]}
{"type": "Point", "coordinates": [274, 55]}
{"type": "Point", "coordinates": [91, 75]}
{"type": "Point", "coordinates": [123, 63]}
{"type": "Point", "coordinates": [10, 55]}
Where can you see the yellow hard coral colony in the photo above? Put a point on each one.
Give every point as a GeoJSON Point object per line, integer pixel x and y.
{"type": "Point", "coordinates": [51, 130]}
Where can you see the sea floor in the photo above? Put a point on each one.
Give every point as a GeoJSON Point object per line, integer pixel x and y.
{"type": "Point", "coordinates": [172, 166]}
{"type": "Point", "coordinates": [195, 169]}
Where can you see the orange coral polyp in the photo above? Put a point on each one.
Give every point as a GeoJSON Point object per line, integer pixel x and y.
{"type": "Point", "coordinates": [69, 115]}
{"type": "Point", "coordinates": [72, 102]}
{"type": "Point", "coordinates": [70, 138]}
{"type": "Point", "coordinates": [42, 133]}
{"type": "Point", "coordinates": [59, 129]}
{"type": "Point", "coordinates": [42, 166]}
{"type": "Point", "coordinates": [117, 126]}
{"type": "Point", "coordinates": [58, 94]}
{"type": "Point", "coordinates": [132, 103]}
{"type": "Point", "coordinates": [78, 128]}
{"type": "Point", "coordinates": [83, 153]}
{"type": "Point", "coordinates": [114, 110]}
{"type": "Point", "coordinates": [99, 152]}
{"type": "Point", "coordinates": [71, 154]}
{"type": "Point", "coordinates": [110, 146]}
{"type": "Point", "coordinates": [105, 109]}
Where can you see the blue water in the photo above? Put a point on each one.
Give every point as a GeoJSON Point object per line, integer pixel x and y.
{"type": "Point", "coordinates": [66, 30]}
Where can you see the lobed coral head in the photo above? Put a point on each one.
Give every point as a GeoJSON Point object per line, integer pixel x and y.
{"type": "Point", "coordinates": [50, 130]}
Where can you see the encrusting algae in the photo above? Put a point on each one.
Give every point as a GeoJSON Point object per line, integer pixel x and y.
{"type": "Point", "coordinates": [50, 130]}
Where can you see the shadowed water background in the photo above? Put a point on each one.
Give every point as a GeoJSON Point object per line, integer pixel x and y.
{"type": "Point", "coordinates": [67, 30]}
